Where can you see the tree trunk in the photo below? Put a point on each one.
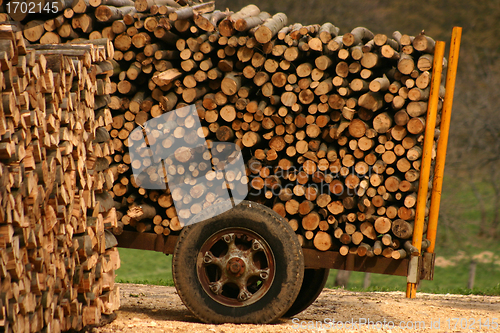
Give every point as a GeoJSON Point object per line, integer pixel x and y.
{"type": "Point", "coordinates": [342, 278]}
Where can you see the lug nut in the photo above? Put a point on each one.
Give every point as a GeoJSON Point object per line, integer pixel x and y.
{"type": "Point", "coordinates": [256, 245]}
{"type": "Point", "coordinates": [216, 288]}
{"type": "Point", "coordinates": [244, 295]}
{"type": "Point", "coordinates": [208, 258]}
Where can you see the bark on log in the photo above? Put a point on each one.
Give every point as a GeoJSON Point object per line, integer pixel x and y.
{"type": "Point", "coordinates": [270, 28]}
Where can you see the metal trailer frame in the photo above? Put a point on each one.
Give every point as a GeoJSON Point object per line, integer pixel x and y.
{"type": "Point", "coordinates": [415, 268]}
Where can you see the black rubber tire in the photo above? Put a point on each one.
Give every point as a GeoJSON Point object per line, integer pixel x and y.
{"type": "Point", "coordinates": [288, 260]}
{"type": "Point", "coordinates": [312, 285]}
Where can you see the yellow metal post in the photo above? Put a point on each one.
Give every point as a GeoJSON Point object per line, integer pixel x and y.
{"type": "Point", "coordinates": [437, 183]}
{"type": "Point", "coordinates": [425, 167]}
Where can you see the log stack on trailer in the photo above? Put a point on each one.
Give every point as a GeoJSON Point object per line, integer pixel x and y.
{"type": "Point", "coordinates": [334, 121]}
{"type": "Point", "coordinates": [331, 123]}
{"type": "Point", "coordinates": [59, 257]}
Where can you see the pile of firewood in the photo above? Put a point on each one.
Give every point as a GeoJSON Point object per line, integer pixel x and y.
{"type": "Point", "coordinates": [331, 124]}
{"type": "Point", "coordinates": [58, 256]}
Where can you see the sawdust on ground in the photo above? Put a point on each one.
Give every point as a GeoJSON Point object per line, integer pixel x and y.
{"type": "Point", "coordinates": [153, 309]}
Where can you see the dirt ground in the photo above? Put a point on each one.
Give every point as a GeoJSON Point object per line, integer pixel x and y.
{"type": "Point", "coordinates": [155, 309]}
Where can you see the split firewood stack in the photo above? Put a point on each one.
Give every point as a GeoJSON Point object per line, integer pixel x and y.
{"type": "Point", "coordinates": [58, 256]}
{"type": "Point", "coordinates": [331, 123]}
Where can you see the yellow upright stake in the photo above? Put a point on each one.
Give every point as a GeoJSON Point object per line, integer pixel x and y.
{"type": "Point", "coordinates": [437, 183]}
{"type": "Point", "coordinates": [425, 167]}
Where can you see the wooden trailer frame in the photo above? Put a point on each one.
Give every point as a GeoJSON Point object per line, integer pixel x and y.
{"type": "Point", "coordinates": [415, 268]}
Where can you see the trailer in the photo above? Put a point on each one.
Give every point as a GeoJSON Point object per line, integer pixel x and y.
{"type": "Point", "coordinates": [244, 264]}
{"type": "Point", "coordinates": [85, 136]}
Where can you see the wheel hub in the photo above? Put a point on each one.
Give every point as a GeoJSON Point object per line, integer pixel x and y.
{"type": "Point", "coordinates": [236, 267]}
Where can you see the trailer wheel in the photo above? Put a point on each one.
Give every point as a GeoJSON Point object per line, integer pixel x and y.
{"type": "Point", "coordinates": [312, 285]}
{"type": "Point", "coordinates": [243, 266]}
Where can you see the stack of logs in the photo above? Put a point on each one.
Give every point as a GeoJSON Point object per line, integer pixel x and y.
{"type": "Point", "coordinates": [58, 257]}
{"type": "Point", "coordinates": [331, 124]}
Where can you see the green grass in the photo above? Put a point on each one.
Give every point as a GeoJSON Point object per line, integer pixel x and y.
{"type": "Point", "coordinates": [451, 280]}
{"type": "Point", "coordinates": [145, 267]}
{"type": "Point", "coordinates": [457, 232]}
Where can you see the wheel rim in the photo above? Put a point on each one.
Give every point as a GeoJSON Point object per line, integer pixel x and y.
{"type": "Point", "coordinates": [236, 267]}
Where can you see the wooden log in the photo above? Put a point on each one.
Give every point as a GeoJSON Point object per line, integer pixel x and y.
{"type": "Point", "coordinates": [382, 122]}
{"type": "Point", "coordinates": [33, 30]}
{"type": "Point", "coordinates": [322, 241]}
{"type": "Point", "coordinates": [247, 23]}
{"type": "Point", "coordinates": [371, 101]}
{"type": "Point", "coordinates": [83, 22]}
{"type": "Point", "coordinates": [402, 229]}
{"type": "Point", "coordinates": [424, 44]}
{"type": "Point", "coordinates": [367, 229]}
{"type": "Point", "coordinates": [377, 248]}
{"type": "Point", "coordinates": [145, 5]}
{"type": "Point", "coordinates": [166, 77]}
{"type": "Point", "coordinates": [270, 28]}
{"type": "Point", "coordinates": [311, 221]}
{"type": "Point", "coordinates": [105, 13]}
{"type": "Point", "coordinates": [357, 36]}
{"type": "Point", "coordinates": [116, 3]}
{"type": "Point", "coordinates": [416, 125]}
{"type": "Point", "coordinates": [399, 254]}
{"type": "Point", "coordinates": [208, 22]}
{"type": "Point", "coordinates": [382, 225]}
{"type": "Point", "coordinates": [424, 62]}
{"type": "Point", "coordinates": [143, 211]}
{"type": "Point", "coordinates": [188, 11]}
{"type": "Point", "coordinates": [231, 83]}
{"type": "Point", "coordinates": [406, 64]}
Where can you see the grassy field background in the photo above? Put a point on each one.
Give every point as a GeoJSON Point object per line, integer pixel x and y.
{"type": "Point", "coordinates": [155, 268]}
{"type": "Point", "coordinates": [455, 250]}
